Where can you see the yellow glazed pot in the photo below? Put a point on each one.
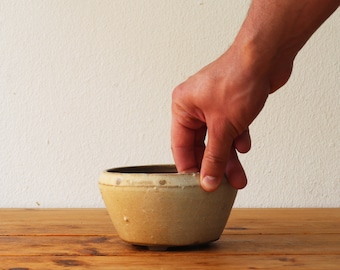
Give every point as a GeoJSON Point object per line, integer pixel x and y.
{"type": "Point", "coordinates": [157, 207]}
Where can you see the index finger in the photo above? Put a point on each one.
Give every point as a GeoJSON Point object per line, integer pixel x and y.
{"type": "Point", "coordinates": [187, 146]}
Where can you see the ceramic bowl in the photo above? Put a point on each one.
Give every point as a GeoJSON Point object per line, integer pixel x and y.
{"type": "Point", "coordinates": [157, 207]}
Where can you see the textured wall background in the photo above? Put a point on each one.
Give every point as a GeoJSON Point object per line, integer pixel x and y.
{"type": "Point", "coordinates": [86, 85]}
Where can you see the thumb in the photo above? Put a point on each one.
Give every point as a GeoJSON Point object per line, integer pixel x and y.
{"type": "Point", "coordinates": [215, 157]}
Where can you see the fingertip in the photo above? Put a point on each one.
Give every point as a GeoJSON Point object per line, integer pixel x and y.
{"type": "Point", "coordinates": [243, 142]}
{"type": "Point", "coordinates": [235, 172]}
{"type": "Point", "coordinates": [239, 183]}
{"type": "Point", "coordinates": [210, 183]}
{"type": "Point", "coordinates": [213, 164]}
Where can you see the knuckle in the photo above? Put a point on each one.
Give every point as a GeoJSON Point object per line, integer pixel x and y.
{"type": "Point", "coordinates": [177, 92]}
{"type": "Point", "coordinates": [215, 159]}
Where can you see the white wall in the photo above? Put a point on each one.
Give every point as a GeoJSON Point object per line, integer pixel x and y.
{"type": "Point", "coordinates": [86, 85]}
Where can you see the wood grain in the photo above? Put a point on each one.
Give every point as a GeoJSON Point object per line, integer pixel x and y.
{"type": "Point", "coordinates": [55, 222]}
{"type": "Point", "coordinates": [253, 239]}
{"type": "Point", "coordinates": [227, 245]}
{"type": "Point", "coordinates": [242, 262]}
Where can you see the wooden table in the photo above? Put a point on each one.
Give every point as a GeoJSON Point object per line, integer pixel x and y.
{"type": "Point", "coordinates": [253, 239]}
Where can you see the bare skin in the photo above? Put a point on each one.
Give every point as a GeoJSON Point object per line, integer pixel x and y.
{"type": "Point", "coordinates": [225, 97]}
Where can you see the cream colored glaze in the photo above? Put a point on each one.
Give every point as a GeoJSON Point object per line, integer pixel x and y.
{"type": "Point", "coordinates": [165, 209]}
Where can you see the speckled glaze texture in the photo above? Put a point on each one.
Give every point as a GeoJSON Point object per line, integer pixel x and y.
{"type": "Point", "coordinates": [157, 207]}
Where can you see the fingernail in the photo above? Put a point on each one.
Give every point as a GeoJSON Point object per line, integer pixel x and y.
{"type": "Point", "coordinates": [210, 183]}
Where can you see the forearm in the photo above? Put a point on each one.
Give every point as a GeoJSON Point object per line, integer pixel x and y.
{"type": "Point", "coordinates": [275, 30]}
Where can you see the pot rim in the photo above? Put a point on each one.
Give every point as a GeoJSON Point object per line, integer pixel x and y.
{"type": "Point", "coordinates": [155, 176]}
{"type": "Point", "coordinates": [158, 175]}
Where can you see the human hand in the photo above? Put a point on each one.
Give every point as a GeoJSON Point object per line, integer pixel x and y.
{"type": "Point", "coordinates": [222, 100]}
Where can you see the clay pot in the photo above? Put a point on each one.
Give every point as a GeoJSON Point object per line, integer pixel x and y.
{"type": "Point", "coordinates": [157, 207]}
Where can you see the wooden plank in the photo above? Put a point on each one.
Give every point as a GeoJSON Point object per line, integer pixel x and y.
{"type": "Point", "coordinates": [241, 262]}
{"type": "Point", "coordinates": [327, 244]}
{"type": "Point", "coordinates": [253, 239]}
{"type": "Point", "coordinates": [55, 222]}
{"type": "Point", "coordinates": [284, 221]}
{"type": "Point", "coordinates": [97, 221]}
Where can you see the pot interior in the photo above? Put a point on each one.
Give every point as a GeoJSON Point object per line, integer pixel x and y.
{"type": "Point", "coordinates": [146, 169]}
